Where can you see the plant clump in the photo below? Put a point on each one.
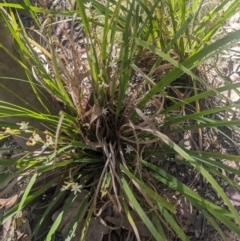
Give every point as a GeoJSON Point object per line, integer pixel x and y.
{"type": "Point", "coordinates": [125, 154]}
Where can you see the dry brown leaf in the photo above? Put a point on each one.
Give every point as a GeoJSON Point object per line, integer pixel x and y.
{"type": "Point", "coordinates": [8, 189]}
{"type": "Point", "coordinates": [7, 229]}
{"type": "Point", "coordinates": [146, 55]}
{"type": "Point", "coordinates": [93, 145]}
{"type": "Point", "coordinates": [124, 223]}
{"type": "Point", "coordinates": [18, 227]}
{"type": "Point", "coordinates": [69, 216]}
{"type": "Point", "coordinates": [174, 54]}
{"type": "Point", "coordinates": [162, 68]}
{"type": "Point", "coordinates": [95, 232]}
{"type": "Point", "coordinates": [23, 231]}
{"type": "Point", "coordinates": [96, 112]}
{"type": "Point", "coordinates": [8, 202]}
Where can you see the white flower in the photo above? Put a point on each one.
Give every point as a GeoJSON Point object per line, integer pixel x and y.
{"type": "Point", "coordinates": [104, 111]}
{"type": "Point", "coordinates": [88, 5]}
{"type": "Point", "coordinates": [45, 145]}
{"type": "Point", "coordinates": [113, 65]}
{"type": "Point", "coordinates": [8, 131]}
{"type": "Point", "coordinates": [76, 187]}
{"type": "Point", "coordinates": [129, 149]}
{"type": "Point", "coordinates": [65, 187]}
{"type": "Point", "coordinates": [48, 142]}
{"type": "Point", "coordinates": [36, 137]}
{"type": "Point", "coordinates": [103, 85]}
{"type": "Point", "coordinates": [23, 125]}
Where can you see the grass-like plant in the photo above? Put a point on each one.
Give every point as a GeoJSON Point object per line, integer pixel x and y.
{"type": "Point", "coordinates": [127, 99]}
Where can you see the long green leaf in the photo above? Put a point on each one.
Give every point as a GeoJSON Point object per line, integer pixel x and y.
{"type": "Point", "coordinates": [59, 218]}
{"type": "Point", "coordinates": [174, 225]}
{"type": "Point", "coordinates": [78, 217]}
{"type": "Point", "coordinates": [130, 196]}
{"type": "Point", "coordinates": [125, 58]}
{"type": "Point", "coordinates": [156, 197]}
{"type": "Point", "coordinates": [188, 64]}
{"type": "Point", "coordinates": [30, 198]}
{"type": "Point", "coordinates": [27, 191]}
{"type": "Point", "coordinates": [46, 212]}
{"type": "Point", "coordinates": [175, 184]}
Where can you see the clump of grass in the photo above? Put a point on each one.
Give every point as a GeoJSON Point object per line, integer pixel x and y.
{"type": "Point", "coordinates": [125, 98]}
